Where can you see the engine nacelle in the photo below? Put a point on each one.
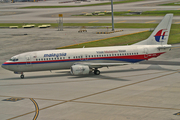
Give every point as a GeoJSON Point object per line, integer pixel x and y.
{"type": "Point", "coordinates": [80, 70]}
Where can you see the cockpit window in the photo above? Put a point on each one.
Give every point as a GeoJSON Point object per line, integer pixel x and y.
{"type": "Point", "coordinates": [13, 59]}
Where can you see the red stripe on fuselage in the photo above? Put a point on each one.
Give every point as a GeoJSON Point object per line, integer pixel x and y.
{"type": "Point", "coordinates": [135, 57]}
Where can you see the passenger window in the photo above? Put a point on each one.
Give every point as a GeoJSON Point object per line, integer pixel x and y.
{"type": "Point", "coordinates": [52, 58]}
{"type": "Point", "coordinates": [81, 56]}
{"type": "Point", "coordinates": [36, 59]}
{"type": "Point", "coordinates": [78, 56]}
{"type": "Point", "coordinates": [49, 58]}
{"type": "Point", "coordinates": [60, 57]}
{"type": "Point", "coordinates": [132, 53]}
{"type": "Point", "coordinates": [104, 55]}
{"type": "Point", "coordinates": [99, 55]}
{"type": "Point", "coordinates": [44, 58]}
{"type": "Point", "coordinates": [86, 56]}
{"type": "Point", "coordinates": [68, 57]}
{"type": "Point", "coordinates": [94, 55]}
{"type": "Point", "coordinates": [74, 57]}
{"type": "Point", "coordinates": [112, 54]}
{"type": "Point", "coordinates": [63, 57]}
{"type": "Point", "coordinates": [55, 58]}
{"type": "Point", "coordinates": [117, 54]}
{"type": "Point", "coordinates": [137, 53]}
{"type": "Point", "coordinates": [91, 55]}
{"type": "Point", "coordinates": [41, 59]}
{"type": "Point", "coordinates": [109, 54]}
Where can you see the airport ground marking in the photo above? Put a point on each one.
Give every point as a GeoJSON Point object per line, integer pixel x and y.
{"type": "Point", "coordinates": [125, 105]}
{"type": "Point", "coordinates": [150, 21]}
{"type": "Point", "coordinates": [75, 99]}
{"type": "Point", "coordinates": [36, 111]}
{"type": "Point", "coordinates": [93, 21]}
{"type": "Point", "coordinates": [177, 22]}
{"type": "Point", "coordinates": [122, 86]}
{"type": "Point", "coordinates": [36, 107]}
{"type": "Point", "coordinates": [121, 21]}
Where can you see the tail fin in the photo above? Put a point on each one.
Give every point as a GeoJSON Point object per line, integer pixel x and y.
{"type": "Point", "coordinates": [161, 33]}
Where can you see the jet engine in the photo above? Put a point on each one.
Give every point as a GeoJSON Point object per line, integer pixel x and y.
{"type": "Point", "coordinates": [80, 70]}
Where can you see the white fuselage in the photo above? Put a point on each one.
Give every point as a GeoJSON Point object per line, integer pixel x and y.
{"type": "Point", "coordinates": [65, 58]}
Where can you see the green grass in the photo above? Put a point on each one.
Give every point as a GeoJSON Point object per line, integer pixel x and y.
{"type": "Point", "coordinates": [171, 4]}
{"type": "Point", "coordinates": [108, 3]}
{"type": "Point", "coordinates": [117, 25]}
{"type": "Point", "coordinates": [123, 40]}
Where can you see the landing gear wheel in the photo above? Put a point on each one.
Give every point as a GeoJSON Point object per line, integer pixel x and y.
{"type": "Point", "coordinates": [22, 76]}
{"type": "Point", "coordinates": [97, 72]}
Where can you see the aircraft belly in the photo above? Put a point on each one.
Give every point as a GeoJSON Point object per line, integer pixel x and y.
{"type": "Point", "coordinates": [43, 67]}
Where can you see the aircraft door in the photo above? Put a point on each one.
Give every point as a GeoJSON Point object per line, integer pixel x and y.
{"type": "Point", "coordinates": [28, 60]}
{"type": "Point", "coordinates": [145, 52]}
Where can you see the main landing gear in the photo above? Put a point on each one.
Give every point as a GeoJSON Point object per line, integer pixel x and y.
{"type": "Point", "coordinates": [22, 76]}
{"type": "Point", "coordinates": [96, 71]}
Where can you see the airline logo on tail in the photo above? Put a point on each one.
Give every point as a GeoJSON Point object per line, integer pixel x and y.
{"type": "Point", "coordinates": [159, 34]}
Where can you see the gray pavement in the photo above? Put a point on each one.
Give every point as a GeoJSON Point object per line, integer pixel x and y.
{"type": "Point", "coordinates": [134, 92]}
{"type": "Point", "coordinates": [10, 14]}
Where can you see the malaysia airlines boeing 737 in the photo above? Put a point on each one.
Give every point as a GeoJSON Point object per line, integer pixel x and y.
{"type": "Point", "coordinates": [85, 60]}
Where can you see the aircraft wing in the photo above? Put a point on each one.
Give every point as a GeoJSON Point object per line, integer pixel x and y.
{"type": "Point", "coordinates": [100, 65]}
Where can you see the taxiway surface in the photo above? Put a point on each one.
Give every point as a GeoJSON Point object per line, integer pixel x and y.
{"type": "Point", "coordinates": [135, 92]}
{"type": "Point", "coordinates": [132, 92]}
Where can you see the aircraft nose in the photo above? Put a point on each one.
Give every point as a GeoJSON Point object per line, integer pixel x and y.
{"type": "Point", "coordinates": [4, 66]}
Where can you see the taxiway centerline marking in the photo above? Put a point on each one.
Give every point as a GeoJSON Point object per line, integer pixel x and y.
{"type": "Point", "coordinates": [150, 21]}
{"type": "Point", "coordinates": [177, 22]}
{"type": "Point", "coordinates": [36, 107]}
{"type": "Point", "coordinates": [93, 21]}
{"type": "Point", "coordinates": [127, 105]}
{"type": "Point", "coordinates": [121, 21]}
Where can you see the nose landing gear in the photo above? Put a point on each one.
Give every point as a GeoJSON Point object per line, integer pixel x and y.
{"type": "Point", "coordinates": [22, 76]}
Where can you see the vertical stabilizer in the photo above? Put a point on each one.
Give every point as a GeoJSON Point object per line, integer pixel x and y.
{"type": "Point", "coordinates": [161, 33]}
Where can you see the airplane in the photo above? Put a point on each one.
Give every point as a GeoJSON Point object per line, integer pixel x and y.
{"type": "Point", "coordinates": [83, 61]}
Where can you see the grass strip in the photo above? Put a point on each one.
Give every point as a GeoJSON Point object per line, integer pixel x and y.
{"type": "Point", "coordinates": [117, 25]}
{"type": "Point", "coordinates": [114, 41]}
{"type": "Point", "coordinates": [98, 4]}
{"type": "Point", "coordinates": [126, 39]}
